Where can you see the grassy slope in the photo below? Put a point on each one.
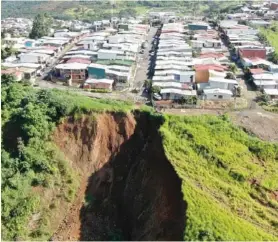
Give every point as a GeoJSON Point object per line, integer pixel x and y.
{"type": "Point", "coordinates": [271, 36]}
{"type": "Point", "coordinates": [216, 162]}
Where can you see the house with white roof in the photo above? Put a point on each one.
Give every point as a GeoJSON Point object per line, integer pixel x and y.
{"type": "Point", "coordinates": [176, 94]}
{"type": "Point", "coordinates": [266, 80]}
{"type": "Point", "coordinates": [273, 93]}
{"type": "Point", "coordinates": [32, 57]}
{"type": "Point", "coordinates": [217, 94]}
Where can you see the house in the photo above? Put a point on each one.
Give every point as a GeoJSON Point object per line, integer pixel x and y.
{"type": "Point", "coordinates": [274, 6]}
{"type": "Point", "coordinates": [266, 80]}
{"type": "Point", "coordinates": [79, 60]}
{"type": "Point", "coordinates": [198, 26]}
{"type": "Point", "coordinates": [29, 74]}
{"type": "Point", "coordinates": [118, 75]}
{"type": "Point", "coordinates": [255, 62]}
{"type": "Point", "coordinates": [76, 72]}
{"type": "Point", "coordinates": [222, 83]}
{"type": "Point", "coordinates": [181, 76]}
{"type": "Point", "coordinates": [273, 93]}
{"type": "Point", "coordinates": [33, 57]}
{"type": "Point", "coordinates": [263, 84]}
{"type": "Point", "coordinates": [172, 84]}
{"type": "Point", "coordinates": [217, 94]}
{"type": "Point", "coordinates": [273, 68]}
{"type": "Point", "coordinates": [104, 54]}
{"type": "Point", "coordinates": [252, 52]}
{"type": "Point", "coordinates": [176, 94]}
{"type": "Point", "coordinates": [106, 84]}
{"type": "Point", "coordinates": [202, 71]}
{"type": "Point", "coordinates": [96, 71]}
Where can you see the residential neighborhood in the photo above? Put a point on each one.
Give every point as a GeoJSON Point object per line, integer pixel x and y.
{"type": "Point", "coordinates": [171, 58]}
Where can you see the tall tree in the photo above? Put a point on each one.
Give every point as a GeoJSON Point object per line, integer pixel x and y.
{"type": "Point", "coordinates": [41, 26]}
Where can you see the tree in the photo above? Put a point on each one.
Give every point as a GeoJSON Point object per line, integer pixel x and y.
{"type": "Point", "coordinates": [230, 76]}
{"type": "Point", "coordinates": [274, 57]}
{"type": "Point", "coordinates": [156, 89]}
{"type": "Point", "coordinates": [243, 22]}
{"type": "Point", "coordinates": [130, 12]}
{"type": "Point", "coordinates": [148, 84]}
{"type": "Point", "coordinates": [233, 68]}
{"type": "Point", "coordinates": [41, 26]}
{"type": "Point", "coordinates": [7, 51]}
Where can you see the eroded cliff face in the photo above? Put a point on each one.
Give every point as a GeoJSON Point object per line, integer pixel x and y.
{"type": "Point", "coordinates": [130, 189]}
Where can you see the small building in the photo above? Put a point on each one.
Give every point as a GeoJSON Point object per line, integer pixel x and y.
{"type": "Point", "coordinates": [109, 54]}
{"type": "Point", "coordinates": [274, 6]}
{"type": "Point", "coordinates": [252, 52]}
{"type": "Point", "coordinates": [29, 74]}
{"type": "Point", "coordinates": [32, 57]}
{"type": "Point", "coordinates": [198, 26]}
{"type": "Point", "coordinates": [106, 84]}
{"type": "Point", "coordinates": [76, 72]}
{"type": "Point", "coordinates": [96, 71]}
{"type": "Point", "coordinates": [273, 68]}
{"type": "Point", "coordinates": [222, 83]}
{"type": "Point", "coordinates": [260, 84]}
{"type": "Point", "coordinates": [273, 93]}
{"type": "Point", "coordinates": [176, 94]}
{"type": "Point", "coordinates": [217, 94]}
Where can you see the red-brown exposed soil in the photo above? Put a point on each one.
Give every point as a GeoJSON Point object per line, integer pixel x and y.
{"type": "Point", "coordinates": [131, 190]}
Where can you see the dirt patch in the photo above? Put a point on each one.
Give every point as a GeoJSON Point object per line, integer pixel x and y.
{"type": "Point", "coordinates": [258, 122]}
{"type": "Point", "coordinates": [129, 191]}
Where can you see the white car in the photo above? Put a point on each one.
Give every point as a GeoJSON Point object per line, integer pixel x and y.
{"type": "Point", "coordinates": [157, 96]}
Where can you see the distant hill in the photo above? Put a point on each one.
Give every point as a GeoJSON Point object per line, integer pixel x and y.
{"type": "Point", "coordinates": [94, 10]}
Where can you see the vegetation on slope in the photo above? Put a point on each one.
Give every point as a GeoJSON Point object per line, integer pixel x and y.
{"type": "Point", "coordinates": [229, 178]}
{"type": "Point", "coordinates": [270, 35]}
{"type": "Point", "coordinates": [37, 182]}
{"type": "Point", "coordinates": [96, 10]}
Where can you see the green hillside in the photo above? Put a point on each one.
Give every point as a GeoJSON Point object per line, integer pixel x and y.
{"type": "Point", "coordinates": [218, 163]}
{"type": "Point", "coordinates": [229, 178]}
{"type": "Point", "coordinates": [96, 10]}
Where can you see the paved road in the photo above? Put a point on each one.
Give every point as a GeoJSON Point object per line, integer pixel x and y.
{"type": "Point", "coordinates": [143, 63]}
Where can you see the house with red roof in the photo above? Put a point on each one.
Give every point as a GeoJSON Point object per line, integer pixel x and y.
{"type": "Point", "coordinates": [252, 52]}
{"type": "Point", "coordinates": [274, 6]}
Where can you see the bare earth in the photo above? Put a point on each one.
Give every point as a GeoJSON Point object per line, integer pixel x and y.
{"type": "Point", "coordinates": [261, 123]}
{"type": "Point", "coordinates": [257, 121]}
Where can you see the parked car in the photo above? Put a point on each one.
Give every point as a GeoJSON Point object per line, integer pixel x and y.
{"type": "Point", "coordinates": [157, 96]}
{"type": "Point", "coordinates": [141, 52]}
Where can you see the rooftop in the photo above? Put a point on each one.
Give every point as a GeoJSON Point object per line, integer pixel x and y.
{"type": "Point", "coordinates": [217, 91]}
{"type": "Point", "coordinates": [72, 66]}
{"type": "Point", "coordinates": [271, 91]}
{"type": "Point", "coordinates": [108, 81]}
